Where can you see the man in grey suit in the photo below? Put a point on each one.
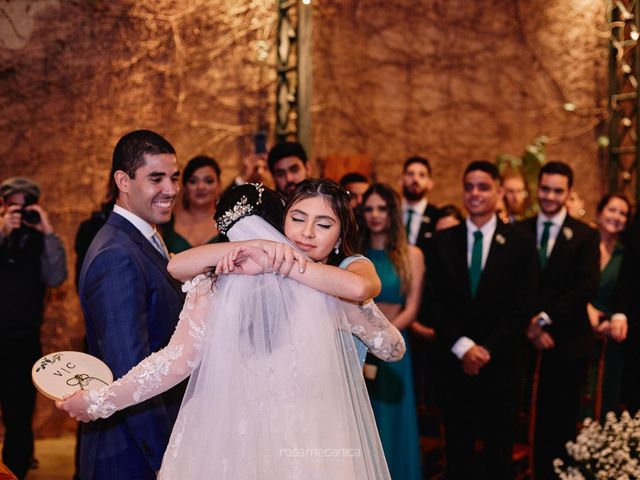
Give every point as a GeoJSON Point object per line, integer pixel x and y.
{"type": "Point", "coordinates": [131, 306]}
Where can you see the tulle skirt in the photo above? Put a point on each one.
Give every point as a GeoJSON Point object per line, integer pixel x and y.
{"type": "Point", "coordinates": [279, 393]}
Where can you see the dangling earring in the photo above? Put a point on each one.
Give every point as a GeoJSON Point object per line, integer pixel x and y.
{"type": "Point", "coordinates": [337, 247]}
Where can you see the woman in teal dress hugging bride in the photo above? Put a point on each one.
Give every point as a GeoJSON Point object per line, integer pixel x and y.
{"type": "Point", "coordinates": [400, 267]}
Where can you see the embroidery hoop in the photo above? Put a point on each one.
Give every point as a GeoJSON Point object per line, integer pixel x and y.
{"type": "Point", "coordinates": [60, 373]}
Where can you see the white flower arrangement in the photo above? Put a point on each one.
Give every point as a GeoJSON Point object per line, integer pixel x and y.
{"type": "Point", "coordinates": [603, 452]}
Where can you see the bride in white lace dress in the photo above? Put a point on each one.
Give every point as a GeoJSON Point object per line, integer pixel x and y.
{"type": "Point", "coordinates": [276, 390]}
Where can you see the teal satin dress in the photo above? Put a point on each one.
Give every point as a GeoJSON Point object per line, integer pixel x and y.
{"type": "Point", "coordinates": [392, 393]}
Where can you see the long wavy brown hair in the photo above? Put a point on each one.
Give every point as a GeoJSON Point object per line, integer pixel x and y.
{"type": "Point", "coordinates": [396, 244]}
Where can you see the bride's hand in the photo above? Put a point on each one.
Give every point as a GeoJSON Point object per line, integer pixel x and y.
{"type": "Point", "coordinates": [76, 405]}
{"type": "Point", "coordinates": [244, 259]}
{"type": "Point", "coordinates": [281, 257]}
{"type": "Point", "coordinates": [265, 257]}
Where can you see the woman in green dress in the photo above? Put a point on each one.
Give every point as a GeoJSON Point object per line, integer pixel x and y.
{"type": "Point", "coordinates": [192, 224]}
{"type": "Point", "coordinates": [400, 267]}
{"type": "Point", "coordinates": [613, 212]}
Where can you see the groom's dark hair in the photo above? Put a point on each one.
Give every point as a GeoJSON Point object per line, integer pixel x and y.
{"type": "Point", "coordinates": [128, 155]}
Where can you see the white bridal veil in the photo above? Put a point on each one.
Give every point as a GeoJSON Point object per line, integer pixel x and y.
{"type": "Point", "coordinates": [278, 393]}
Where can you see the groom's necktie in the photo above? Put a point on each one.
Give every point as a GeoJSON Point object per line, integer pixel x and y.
{"type": "Point", "coordinates": [156, 239]}
{"type": "Point", "coordinates": [475, 269]}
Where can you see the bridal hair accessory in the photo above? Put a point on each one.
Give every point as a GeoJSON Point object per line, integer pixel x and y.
{"type": "Point", "coordinates": [241, 209]}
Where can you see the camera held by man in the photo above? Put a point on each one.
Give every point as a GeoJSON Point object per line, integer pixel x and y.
{"type": "Point", "coordinates": [32, 258]}
{"type": "Point", "coordinates": [20, 207]}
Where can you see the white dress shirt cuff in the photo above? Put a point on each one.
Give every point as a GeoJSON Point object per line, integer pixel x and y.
{"type": "Point", "coordinates": [619, 316]}
{"type": "Point", "coordinates": [462, 346]}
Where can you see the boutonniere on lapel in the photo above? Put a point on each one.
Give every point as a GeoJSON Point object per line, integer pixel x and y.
{"type": "Point", "coordinates": [426, 219]}
{"type": "Point", "coordinates": [568, 233]}
{"type": "Point", "coordinates": [500, 239]}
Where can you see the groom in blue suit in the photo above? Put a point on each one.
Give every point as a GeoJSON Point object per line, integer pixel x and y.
{"type": "Point", "coordinates": [131, 307]}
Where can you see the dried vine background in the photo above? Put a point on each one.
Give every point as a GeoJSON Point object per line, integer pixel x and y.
{"type": "Point", "coordinates": [452, 79]}
{"type": "Point", "coordinates": [78, 75]}
{"type": "Point", "coordinates": [459, 81]}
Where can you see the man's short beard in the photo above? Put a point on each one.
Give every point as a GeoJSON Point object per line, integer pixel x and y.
{"type": "Point", "coordinates": [515, 209]}
{"type": "Point", "coordinates": [413, 197]}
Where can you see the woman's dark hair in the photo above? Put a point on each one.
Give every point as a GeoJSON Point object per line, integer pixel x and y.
{"type": "Point", "coordinates": [264, 202]}
{"type": "Point", "coordinates": [608, 197]}
{"type": "Point", "coordinates": [338, 200]}
{"type": "Point", "coordinates": [396, 244]}
{"type": "Point", "coordinates": [198, 162]}
{"type": "Point", "coordinates": [604, 201]}
{"type": "Point", "coordinates": [194, 164]}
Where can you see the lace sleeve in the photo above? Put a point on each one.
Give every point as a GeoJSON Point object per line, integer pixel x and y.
{"type": "Point", "coordinates": [165, 368]}
{"type": "Point", "coordinates": [370, 325]}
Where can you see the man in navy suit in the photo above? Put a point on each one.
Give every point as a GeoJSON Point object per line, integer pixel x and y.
{"type": "Point", "coordinates": [131, 306]}
{"type": "Point", "coordinates": [569, 257]}
{"type": "Point", "coordinates": [480, 277]}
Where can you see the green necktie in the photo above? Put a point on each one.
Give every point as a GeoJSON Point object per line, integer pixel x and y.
{"type": "Point", "coordinates": [544, 243]}
{"type": "Point", "coordinates": [476, 262]}
{"type": "Point", "coordinates": [407, 227]}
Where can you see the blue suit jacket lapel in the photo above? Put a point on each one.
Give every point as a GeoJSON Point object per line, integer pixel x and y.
{"type": "Point", "coordinates": [145, 246]}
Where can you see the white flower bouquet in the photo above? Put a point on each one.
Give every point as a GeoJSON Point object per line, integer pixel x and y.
{"type": "Point", "coordinates": [603, 452]}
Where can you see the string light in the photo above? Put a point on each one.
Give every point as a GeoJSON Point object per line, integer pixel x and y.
{"type": "Point", "coordinates": [624, 36]}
